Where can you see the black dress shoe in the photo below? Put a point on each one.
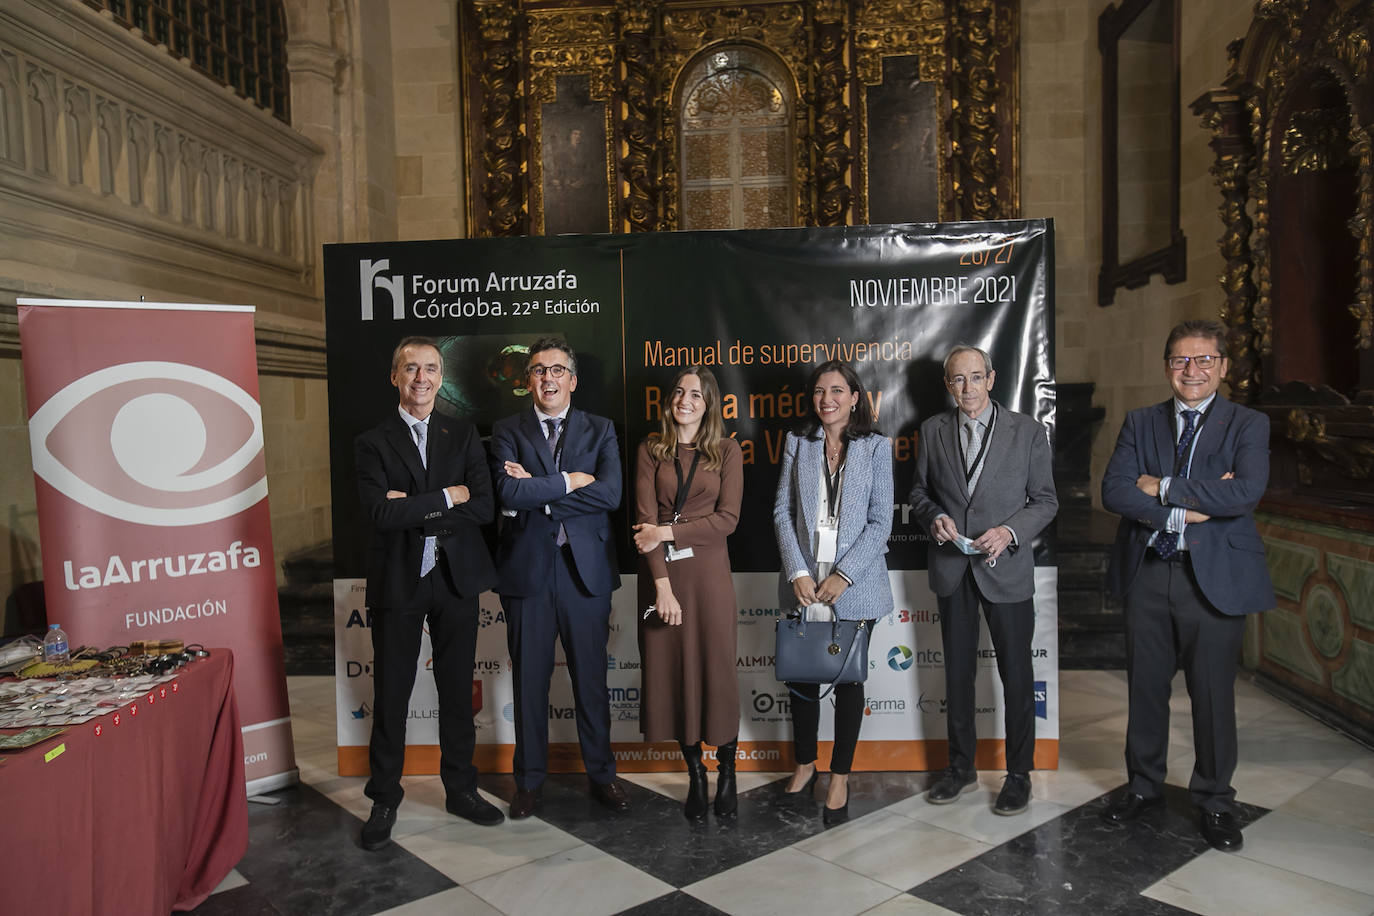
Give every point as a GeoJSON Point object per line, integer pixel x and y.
{"type": "Point", "coordinates": [1015, 795]}
{"type": "Point", "coordinates": [377, 830]}
{"type": "Point", "coordinates": [951, 784]}
{"type": "Point", "coordinates": [1221, 831]}
{"type": "Point", "coordinates": [611, 794]}
{"type": "Point", "coordinates": [1128, 806]}
{"type": "Point", "coordinates": [525, 803]}
{"type": "Point", "coordinates": [473, 807]}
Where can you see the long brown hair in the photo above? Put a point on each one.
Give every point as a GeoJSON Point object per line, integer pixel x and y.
{"type": "Point", "coordinates": [709, 434]}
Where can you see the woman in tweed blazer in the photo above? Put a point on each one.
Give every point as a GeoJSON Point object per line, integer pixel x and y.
{"type": "Point", "coordinates": [832, 517]}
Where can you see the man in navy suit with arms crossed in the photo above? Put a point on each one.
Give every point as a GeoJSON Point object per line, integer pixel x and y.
{"type": "Point", "coordinates": [424, 485]}
{"type": "Point", "coordinates": [557, 472]}
{"type": "Point", "coordinates": [1185, 478]}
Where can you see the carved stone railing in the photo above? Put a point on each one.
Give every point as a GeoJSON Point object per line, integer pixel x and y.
{"type": "Point", "coordinates": [113, 152]}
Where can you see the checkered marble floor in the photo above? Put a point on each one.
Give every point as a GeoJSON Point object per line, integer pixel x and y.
{"type": "Point", "coordinates": [1308, 795]}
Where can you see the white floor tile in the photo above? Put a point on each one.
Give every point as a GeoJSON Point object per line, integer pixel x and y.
{"type": "Point", "coordinates": [456, 901]}
{"type": "Point", "coordinates": [1336, 855]}
{"type": "Point", "coordinates": [231, 881]}
{"type": "Point", "coordinates": [896, 850]}
{"type": "Point", "coordinates": [674, 784]}
{"type": "Point", "coordinates": [1267, 785]}
{"type": "Point", "coordinates": [1335, 803]}
{"type": "Point", "coordinates": [1219, 884]}
{"type": "Point", "coordinates": [972, 815]}
{"type": "Point", "coordinates": [582, 881]}
{"type": "Point", "coordinates": [1073, 786]}
{"type": "Point", "coordinates": [1360, 772]}
{"type": "Point", "coordinates": [466, 852]}
{"type": "Point", "coordinates": [907, 905]}
{"type": "Point", "coordinates": [788, 883]}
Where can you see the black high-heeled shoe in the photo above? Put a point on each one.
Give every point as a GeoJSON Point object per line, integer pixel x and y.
{"type": "Point", "coordinates": [832, 816]}
{"type": "Point", "coordinates": [792, 798]}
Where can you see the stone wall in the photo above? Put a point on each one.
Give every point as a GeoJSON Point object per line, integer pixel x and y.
{"type": "Point", "coordinates": [1119, 347]}
{"type": "Point", "coordinates": [428, 117]}
{"type": "Point", "coordinates": [221, 209]}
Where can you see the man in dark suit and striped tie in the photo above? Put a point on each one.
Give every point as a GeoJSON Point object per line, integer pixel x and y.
{"type": "Point", "coordinates": [424, 486]}
{"type": "Point", "coordinates": [1185, 478]}
{"type": "Point", "coordinates": [557, 473]}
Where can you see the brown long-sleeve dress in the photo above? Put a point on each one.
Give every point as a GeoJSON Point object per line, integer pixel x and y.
{"type": "Point", "coordinates": [689, 690]}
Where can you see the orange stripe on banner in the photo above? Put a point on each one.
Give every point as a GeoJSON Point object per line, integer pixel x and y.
{"type": "Point", "coordinates": [754, 756]}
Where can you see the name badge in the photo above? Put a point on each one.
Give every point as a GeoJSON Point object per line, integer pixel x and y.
{"type": "Point", "coordinates": [827, 538]}
{"type": "Point", "coordinates": [675, 554]}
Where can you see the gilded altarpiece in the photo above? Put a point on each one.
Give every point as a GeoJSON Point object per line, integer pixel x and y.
{"type": "Point", "coordinates": [1291, 129]}
{"type": "Point", "coordinates": [871, 110]}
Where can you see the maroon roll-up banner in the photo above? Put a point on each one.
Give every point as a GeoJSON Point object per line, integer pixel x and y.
{"type": "Point", "coordinates": [151, 483]}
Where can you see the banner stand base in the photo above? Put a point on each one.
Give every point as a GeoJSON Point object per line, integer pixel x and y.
{"type": "Point", "coordinates": [272, 783]}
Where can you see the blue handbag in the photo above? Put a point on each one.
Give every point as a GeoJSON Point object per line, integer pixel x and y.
{"type": "Point", "coordinates": [820, 652]}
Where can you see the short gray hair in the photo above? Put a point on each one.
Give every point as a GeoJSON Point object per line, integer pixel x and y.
{"type": "Point", "coordinates": [968, 348]}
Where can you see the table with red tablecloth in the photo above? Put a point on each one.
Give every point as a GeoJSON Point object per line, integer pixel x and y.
{"type": "Point", "coordinates": [142, 810]}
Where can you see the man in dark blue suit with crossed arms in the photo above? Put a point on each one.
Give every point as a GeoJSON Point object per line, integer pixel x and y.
{"type": "Point", "coordinates": [557, 472]}
{"type": "Point", "coordinates": [1185, 478]}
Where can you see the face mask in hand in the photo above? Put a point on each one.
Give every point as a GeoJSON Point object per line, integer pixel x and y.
{"type": "Point", "coordinates": [965, 545]}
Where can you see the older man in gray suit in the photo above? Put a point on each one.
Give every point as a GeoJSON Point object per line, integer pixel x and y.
{"type": "Point", "coordinates": [984, 489]}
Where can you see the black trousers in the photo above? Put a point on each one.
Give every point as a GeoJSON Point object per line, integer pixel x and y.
{"type": "Point", "coordinates": [1012, 626]}
{"type": "Point", "coordinates": [806, 724]}
{"type": "Point", "coordinates": [395, 651]}
{"type": "Point", "coordinates": [1170, 622]}
{"type": "Point", "coordinates": [849, 718]}
{"type": "Point", "coordinates": [562, 611]}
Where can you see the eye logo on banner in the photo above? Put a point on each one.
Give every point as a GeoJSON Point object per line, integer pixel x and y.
{"type": "Point", "coordinates": [369, 283]}
{"type": "Point", "coordinates": [103, 442]}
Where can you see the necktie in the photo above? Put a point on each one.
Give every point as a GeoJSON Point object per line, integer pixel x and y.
{"type": "Point", "coordinates": [427, 557]}
{"type": "Point", "coordinates": [554, 425]}
{"type": "Point", "coordinates": [420, 429]}
{"type": "Point", "coordinates": [1166, 543]}
{"type": "Point", "coordinates": [974, 429]}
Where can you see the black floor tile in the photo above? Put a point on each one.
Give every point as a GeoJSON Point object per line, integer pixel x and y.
{"type": "Point", "coordinates": [303, 859]}
{"type": "Point", "coordinates": [1077, 863]}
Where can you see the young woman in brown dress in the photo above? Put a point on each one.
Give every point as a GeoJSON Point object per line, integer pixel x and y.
{"type": "Point", "coordinates": [689, 479]}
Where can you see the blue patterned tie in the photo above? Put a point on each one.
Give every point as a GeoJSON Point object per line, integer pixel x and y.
{"type": "Point", "coordinates": [554, 424]}
{"type": "Point", "coordinates": [1166, 543]}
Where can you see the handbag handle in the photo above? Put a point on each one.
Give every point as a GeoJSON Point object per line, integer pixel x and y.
{"type": "Point", "coordinates": [834, 625]}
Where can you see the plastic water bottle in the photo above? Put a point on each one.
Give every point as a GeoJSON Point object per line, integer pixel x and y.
{"type": "Point", "coordinates": [55, 646]}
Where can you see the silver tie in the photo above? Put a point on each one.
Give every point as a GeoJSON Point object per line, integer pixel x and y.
{"type": "Point", "coordinates": [975, 439]}
{"type": "Point", "coordinates": [426, 558]}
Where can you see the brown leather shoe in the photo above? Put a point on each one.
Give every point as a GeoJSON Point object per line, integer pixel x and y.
{"type": "Point", "coordinates": [525, 803]}
{"type": "Point", "coordinates": [612, 794]}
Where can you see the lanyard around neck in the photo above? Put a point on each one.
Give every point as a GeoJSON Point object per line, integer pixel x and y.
{"type": "Point", "coordinates": [971, 469]}
{"type": "Point", "coordinates": [832, 482]}
{"type": "Point", "coordinates": [684, 486]}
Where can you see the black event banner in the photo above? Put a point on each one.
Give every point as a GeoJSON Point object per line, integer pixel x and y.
{"type": "Point", "coordinates": [760, 308]}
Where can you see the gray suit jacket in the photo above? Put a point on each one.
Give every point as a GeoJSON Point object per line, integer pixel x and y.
{"type": "Point", "coordinates": [865, 522]}
{"type": "Point", "coordinates": [1016, 488]}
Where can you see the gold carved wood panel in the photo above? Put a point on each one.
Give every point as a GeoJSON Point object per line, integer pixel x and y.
{"type": "Point", "coordinates": [536, 72]}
